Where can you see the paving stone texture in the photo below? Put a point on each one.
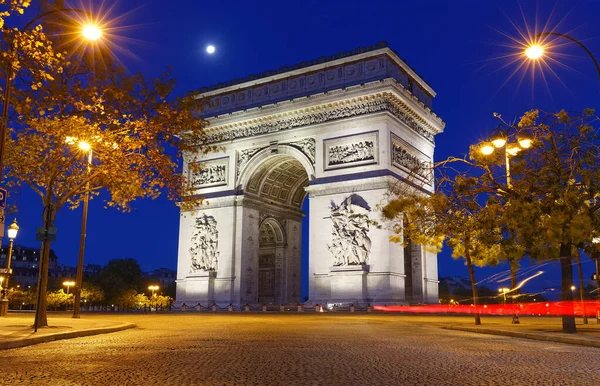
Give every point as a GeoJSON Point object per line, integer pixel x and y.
{"type": "Point", "coordinates": [255, 349]}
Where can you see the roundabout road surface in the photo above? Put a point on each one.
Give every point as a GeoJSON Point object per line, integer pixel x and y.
{"type": "Point", "coordinates": [308, 349]}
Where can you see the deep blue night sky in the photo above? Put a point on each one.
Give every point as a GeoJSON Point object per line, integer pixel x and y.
{"type": "Point", "coordinates": [451, 44]}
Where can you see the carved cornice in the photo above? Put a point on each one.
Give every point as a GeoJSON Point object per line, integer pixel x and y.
{"type": "Point", "coordinates": [369, 104]}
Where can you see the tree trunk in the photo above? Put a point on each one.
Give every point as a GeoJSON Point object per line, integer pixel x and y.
{"type": "Point", "coordinates": [513, 284]}
{"type": "Point", "coordinates": [513, 275]}
{"type": "Point", "coordinates": [473, 286]}
{"type": "Point", "coordinates": [581, 285]}
{"type": "Point", "coordinates": [41, 319]}
{"type": "Point", "coordinates": [566, 270]}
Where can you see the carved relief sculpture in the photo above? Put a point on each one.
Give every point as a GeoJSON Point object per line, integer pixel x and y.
{"type": "Point", "coordinates": [307, 146]}
{"type": "Point", "coordinates": [204, 174]}
{"type": "Point", "coordinates": [354, 150]}
{"type": "Point", "coordinates": [244, 157]}
{"type": "Point", "coordinates": [409, 159]}
{"type": "Point", "coordinates": [387, 102]}
{"type": "Point", "coordinates": [351, 244]}
{"type": "Point", "coordinates": [205, 243]}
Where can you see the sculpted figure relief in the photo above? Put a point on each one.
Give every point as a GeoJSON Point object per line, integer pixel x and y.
{"type": "Point", "coordinates": [359, 151]}
{"type": "Point", "coordinates": [205, 242]}
{"type": "Point", "coordinates": [351, 244]}
{"type": "Point", "coordinates": [209, 175]}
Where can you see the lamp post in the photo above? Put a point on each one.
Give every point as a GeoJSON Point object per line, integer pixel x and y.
{"type": "Point", "coordinates": [153, 288]}
{"type": "Point", "coordinates": [596, 256]}
{"type": "Point", "coordinates": [86, 147]}
{"type": "Point", "coordinates": [500, 139]}
{"type": "Point", "coordinates": [68, 284]}
{"type": "Point", "coordinates": [13, 229]}
{"type": "Point", "coordinates": [536, 50]}
{"type": "Point", "coordinates": [89, 32]}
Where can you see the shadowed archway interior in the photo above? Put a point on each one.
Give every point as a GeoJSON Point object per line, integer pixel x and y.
{"type": "Point", "coordinates": [277, 189]}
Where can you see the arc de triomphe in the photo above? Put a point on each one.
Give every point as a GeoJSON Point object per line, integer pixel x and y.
{"type": "Point", "coordinates": [339, 130]}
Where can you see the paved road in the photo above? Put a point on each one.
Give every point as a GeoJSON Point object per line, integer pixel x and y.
{"type": "Point", "coordinates": [305, 349]}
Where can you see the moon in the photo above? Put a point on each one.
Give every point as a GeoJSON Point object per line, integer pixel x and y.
{"type": "Point", "coordinates": [210, 49]}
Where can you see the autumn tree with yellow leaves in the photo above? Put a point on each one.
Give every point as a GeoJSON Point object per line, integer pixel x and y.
{"type": "Point", "coordinates": [135, 127]}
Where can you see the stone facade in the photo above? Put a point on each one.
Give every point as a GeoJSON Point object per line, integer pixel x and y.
{"type": "Point", "coordinates": [339, 131]}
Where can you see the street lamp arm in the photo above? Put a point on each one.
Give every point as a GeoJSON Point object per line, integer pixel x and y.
{"type": "Point", "coordinates": [541, 34]}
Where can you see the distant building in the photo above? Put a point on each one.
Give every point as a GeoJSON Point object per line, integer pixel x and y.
{"type": "Point", "coordinates": [25, 264]}
{"type": "Point", "coordinates": [164, 277]}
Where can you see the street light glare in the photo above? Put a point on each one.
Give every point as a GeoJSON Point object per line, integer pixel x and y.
{"type": "Point", "coordinates": [210, 49]}
{"type": "Point", "coordinates": [85, 146]}
{"type": "Point", "coordinates": [534, 51]}
{"type": "Point", "coordinates": [487, 148]}
{"type": "Point", "coordinates": [92, 32]}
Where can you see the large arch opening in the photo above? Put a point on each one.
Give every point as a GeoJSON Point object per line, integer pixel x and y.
{"type": "Point", "coordinates": [275, 188]}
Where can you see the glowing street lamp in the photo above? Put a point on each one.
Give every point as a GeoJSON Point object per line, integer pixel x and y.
{"type": "Point", "coordinates": [91, 32]}
{"type": "Point", "coordinates": [499, 140]}
{"type": "Point", "coordinates": [13, 229]}
{"type": "Point", "coordinates": [535, 51]}
{"type": "Point", "coordinates": [153, 288]}
{"type": "Point", "coordinates": [68, 284]}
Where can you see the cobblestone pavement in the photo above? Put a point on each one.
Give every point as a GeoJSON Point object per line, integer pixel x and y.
{"type": "Point", "coordinates": [254, 349]}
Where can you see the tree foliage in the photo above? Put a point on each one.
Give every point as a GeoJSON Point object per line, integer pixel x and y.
{"type": "Point", "coordinates": [118, 277]}
{"type": "Point", "coordinates": [548, 210]}
{"type": "Point", "coordinates": [66, 94]}
{"type": "Point", "coordinates": [453, 214]}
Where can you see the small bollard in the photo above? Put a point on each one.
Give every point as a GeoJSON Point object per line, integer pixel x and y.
{"type": "Point", "coordinates": [335, 308]}
{"type": "Point", "coordinates": [369, 308]}
{"type": "Point", "coordinates": [281, 308]}
{"type": "Point", "coordinates": [300, 308]}
{"type": "Point", "coordinates": [230, 307]}
{"type": "Point", "coordinates": [318, 308]}
{"type": "Point", "coordinates": [352, 308]}
{"type": "Point", "coordinates": [198, 307]}
{"type": "Point", "coordinates": [183, 307]}
{"type": "Point", "coordinates": [214, 307]}
{"type": "Point", "coordinates": [247, 307]}
{"type": "Point", "coordinates": [264, 308]}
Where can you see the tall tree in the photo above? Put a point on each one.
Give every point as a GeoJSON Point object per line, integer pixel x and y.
{"type": "Point", "coordinates": [558, 190]}
{"type": "Point", "coordinates": [453, 214]}
{"type": "Point", "coordinates": [118, 277]}
{"type": "Point", "coordinates": [135, 127]}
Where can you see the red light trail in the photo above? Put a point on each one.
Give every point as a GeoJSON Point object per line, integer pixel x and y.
{"type": "Point", "coordinates": [535, 308]}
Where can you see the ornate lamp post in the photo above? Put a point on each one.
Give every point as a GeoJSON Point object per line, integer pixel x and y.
{"type": "Point", "coordinates": [499, 140]}
{"type": "Point", "coordinates": [13, 229]}
{"type": "Point", "coordinates": [536, 50]}
{"type": "Point", "coordinates": [86, 147]}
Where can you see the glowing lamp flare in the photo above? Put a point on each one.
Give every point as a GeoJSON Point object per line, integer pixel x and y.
{"type": "Point", "coordinates": [210, 49]}
{"type": "Point", "coordinates": [91, 32]}
{"type": "Point", "coordinates": [487, 148]}
{"type": "Point", "coordinates": [85, 146]}
{"type": "Point", "coordinates": [534, 51]}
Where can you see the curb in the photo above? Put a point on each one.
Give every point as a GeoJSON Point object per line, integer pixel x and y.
{"type": "Point", "coordinates": [63, 335]}
{"type": "Point", "coordinates": [530, 335]}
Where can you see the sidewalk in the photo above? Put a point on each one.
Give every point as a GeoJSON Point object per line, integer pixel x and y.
{"type": "Point", "coordinates": [547, 329]}
{"type": "Point", "coordinates": [16, 330]}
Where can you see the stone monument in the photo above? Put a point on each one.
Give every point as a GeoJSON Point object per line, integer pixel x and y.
{"type": "Point", "coordinates": [340, 130]}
